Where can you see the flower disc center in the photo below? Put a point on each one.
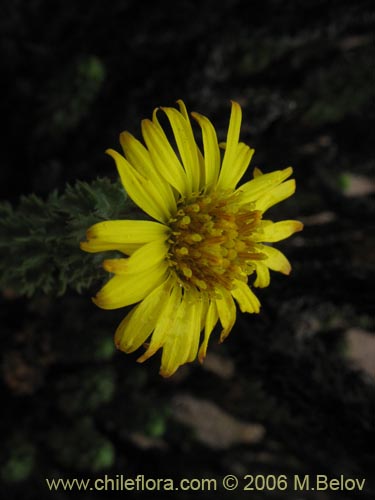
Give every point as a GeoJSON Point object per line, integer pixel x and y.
{"type": "Point", "coordinates": [211, 242]}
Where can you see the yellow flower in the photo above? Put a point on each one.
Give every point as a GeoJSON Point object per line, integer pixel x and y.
{"type": "Point", "coordinates": [188, 266]}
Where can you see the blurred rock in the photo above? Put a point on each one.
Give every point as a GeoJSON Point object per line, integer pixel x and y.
{"type": "Point", "coordinates": [357, 185]}
{"type": "Point", "coordinates": [219, 365]}
{"type": "Point", "coordinates": [361, 350]}
{"type": "Point", "coordinates": [213, 426]}
{"type": "Point", "coordinates": [148, 442]}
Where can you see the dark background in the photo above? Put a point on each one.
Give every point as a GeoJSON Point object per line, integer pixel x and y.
{"type": "Point", "coordinates": [74, 75]}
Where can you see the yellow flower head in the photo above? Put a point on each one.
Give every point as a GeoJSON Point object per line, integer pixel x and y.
{"type": "Point", "coordinates": [188, 266]}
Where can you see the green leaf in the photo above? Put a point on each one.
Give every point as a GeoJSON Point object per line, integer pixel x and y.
{"type": "Point", "coordinates": [39, 239]}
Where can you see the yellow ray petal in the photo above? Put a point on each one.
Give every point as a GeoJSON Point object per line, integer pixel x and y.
{"type": "Point", "coordinates": [181, 344]}
{"type": "Point", "coordinates": [171, 358]}
{"type": "Point", "coordinates": [137, 326]}
{"type": "Point", "coordinates": [140, 158]}
{"type": "Point", "coordinates": [136, 153]}
{"type": "Point", "coordinates": [211, 320]}
{"type": "Point", "coordinates": [186, 145]}
{"type": "Point", "coordinates": [227, 312]}
{"type": "Point", "coordinates": [231, 149]}
{"type": "Point", "coordinates": [279, 230]}
{"type": "Point", "coordinates": [123, 235]}
{"type": "Point", "coordinates": [195, 326]}
{"type": "Point", "coordinates": [183, 109]}
{"type": "Point", "coordinates": [126, 289]}
{"type": "Point", "coordinates": [94, 246]}
{"type": "Point", "coordinates": [148, 256]}
{"type": "Point", "coordinates": [240, 163]}
{"type": "Point", "coordinates": [140, 189]}
{"type": "Point", "coordinates": [205, 303]}
{"type": "Point", "coordinates": [246, 298]}
{"type": "Point", "coordinates": [275, 195]}
{"type": "Point", "coordinates": [262, 184]}
{"type": "Point", "coordinates": [163, 156]}
{"type": "Point", "coordinates": [211, 151]}
{"type": "Point", "coordinates": [165, 321]}
{"type": "Point", "coordinates": [263, 275]}
{"type": "Point", "coordinates": [185, 114]}
{"type": "Point", "coordinates": [276, 260]}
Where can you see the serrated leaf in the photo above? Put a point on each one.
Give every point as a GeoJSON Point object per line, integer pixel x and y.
{"type": "Point", "coordinates": [39, 240]}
